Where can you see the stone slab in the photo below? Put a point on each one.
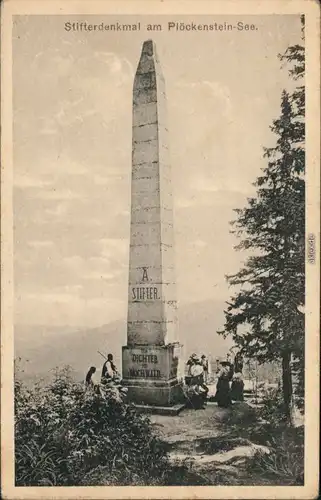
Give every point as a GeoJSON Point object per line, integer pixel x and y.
{"type": "Point", "coordinates": [151, 214]}
{"type": "Point", "coordinates": [146, 255]}
{"type": "Point", "coordinates": [145, 114]}
{"type": "Point", "coordinates": [145, 200]}
{"type": "Point", "coordinates": [160, 410]}
{"type": "Point", "coordinates": [155, 274]}
{"type": "Point", "coordinates": [145, 132]}
{"type": "Point", "coordinates": [142, 332]}
{"type": "Point", "coordinates": [146, 80]}
{"type": "Point", "coordinates": [144, 96]}
{"type": "Point", "coordinates": [148, 312]}
{"type": "Point", "coordinates": [147, 171]}
{"type": "Point", "coordinates": [147, 232]}
{"type": "Point", "coordinates": [146, 65]}
{"type": "Point", "coordinates": [145, 151]}
{"type": "Point", "coordinates": [162, 395]}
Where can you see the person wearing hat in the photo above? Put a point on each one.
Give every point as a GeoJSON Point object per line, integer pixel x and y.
{"type": "Point", "coordinates": [196, 371]}
{"type": "Point", "coordinates": [223, 396]}
{"type": "Point", "coordinates": [191, 361]}
{"type": "Point", "coordinates": [197, 380]}
{"type": "Point", "coordinates": [196, 397]}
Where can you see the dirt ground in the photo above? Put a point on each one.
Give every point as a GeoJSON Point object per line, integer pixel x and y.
{"type": "Point", "coordinates": [190, 424]}
{"type": "Point", "coordinates": [200, 439]}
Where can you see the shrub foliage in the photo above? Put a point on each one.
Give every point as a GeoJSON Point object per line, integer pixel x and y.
{"type": "Point", "coordinates": [66, 435]}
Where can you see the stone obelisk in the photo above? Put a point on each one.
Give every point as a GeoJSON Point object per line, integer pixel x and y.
{"type": "Point", "coordinates": [151, 359]}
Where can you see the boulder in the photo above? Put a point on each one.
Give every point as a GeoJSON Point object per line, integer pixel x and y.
{"type": "Point", "coordinates": [239, 454]}
{"type": "Point", "coordinates": [241, 412]}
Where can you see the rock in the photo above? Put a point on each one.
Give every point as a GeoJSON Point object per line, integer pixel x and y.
{"type": "Point", "coordinates": [240, 453]}
{"type": "Point", "coordinates": [236, 457]}
{"type": "Point", "coordinates": [242, 412]}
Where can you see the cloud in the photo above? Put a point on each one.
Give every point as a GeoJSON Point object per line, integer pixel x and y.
{"type": "Point", "coordinates": [96, 275]}
{"type": "Point", "coordinates": [57, 194]}
{"type": "Point", "coordinates": [40, 244]}
{"type": "Point", "coordinates": [52, 64]}
{"type": "Point", "coordinates": [202, 183]}
{"type": "Point", "coordinates": [214, 188]}
{"type": "Point", "coordinates": [198, 243]}
{"type": "Point", "coordinates": [58, 211]}
{"type": "Point", "coordinates": [222, 186]}
{"type": "Point", "coordinates": [115, 63]}
{"type": "Point", "coordinates": [24, 181]}
{"type": "Point", "coordinates": [48, 130]}
{"type": "Point", "coordinates": [218, 91]}
{"type": "Point", "coordinates": [50, 297]}
{"type": "Point", "coordinates": [185, 202]}
{"type": "Point", "coordinates": [74, 262]}
{"type": "Point", "coordinates": [112, 176]}
{"type": "Point", "coordinates": [65, 308]}
{"type": "Point", "coordinates": [112, 246]}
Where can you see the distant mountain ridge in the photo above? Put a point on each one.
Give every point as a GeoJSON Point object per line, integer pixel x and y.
{"type": "Point", "coordinates": [47, 347]}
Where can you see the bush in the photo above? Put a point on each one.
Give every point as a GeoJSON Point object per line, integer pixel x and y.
{"type": "Point", "coordinates": [273, 409]}
{"type": "Point", "coordinates": [65, 435]}
{"type": "Point", "coordinates": [284, 465]}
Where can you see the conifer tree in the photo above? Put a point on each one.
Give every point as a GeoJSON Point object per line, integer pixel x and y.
{"type": "Point", "coordinates": [265, 317]}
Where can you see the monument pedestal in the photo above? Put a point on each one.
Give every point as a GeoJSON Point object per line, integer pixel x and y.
{"type": "Point", "coordinates": [152, 374]}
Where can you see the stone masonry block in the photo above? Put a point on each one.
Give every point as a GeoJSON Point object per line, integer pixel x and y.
{"type": "Point", "coordinates": [145, 255]}
{"type": "Point", "coordinates": [145, 186]}
{"type": "Point", "coordinates": [145, 275]}
{"type": "Point", "coordinates": [147, 170]}
{"type": "Point", "coordinates": [144, 96]}
{"type": "Point", "coordinates": [144, 152]}
{"type": "Point", "coordinates": [144, 114]}
{"type": "Point", "coordinates": [145, 65]}
{"type": "Point", "coordinates": [149, 214]}
{"type": "Point", "coordinates": [145, 133]}
{"type": "Point", "coordinates": [145, 332]}
{"type": "Point", "coordinates": [145, 200]}
{"type": "Point", "coordinates": [145, 81]}
{"type": "Point", "coordinates": [149, 311]}
{"type": "Point", "coordinates": [140, 233]}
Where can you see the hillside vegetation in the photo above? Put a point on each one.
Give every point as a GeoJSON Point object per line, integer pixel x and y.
{"type": "Point", "coordinates": [68, 436]}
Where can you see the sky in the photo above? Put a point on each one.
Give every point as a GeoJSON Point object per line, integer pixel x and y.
{"type": "Point", "coordinates": [72, 108]}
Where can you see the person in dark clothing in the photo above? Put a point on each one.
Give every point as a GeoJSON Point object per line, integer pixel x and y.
{"type": "Point", "coordinates": [237, 389]}
{"type": "Point", "coordinates": [109, 370]}
{"type": "Point", "coordinates": [89, 376]}
{"type": "Point", "coordinates": [198, 389]}
{"type": "Point", "coordinates": [90, 380]}
{"type": "Point", "coordinates": [222, 396]}
{"type": "Point", "coordinates": [196, 397]}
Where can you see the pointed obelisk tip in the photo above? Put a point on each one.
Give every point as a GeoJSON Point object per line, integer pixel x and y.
{"type": "Point", "coordinates": [149, 48]}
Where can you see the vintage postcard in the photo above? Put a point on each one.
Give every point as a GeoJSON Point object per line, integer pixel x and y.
{"type": "Point", "coordinates": [160, 249]}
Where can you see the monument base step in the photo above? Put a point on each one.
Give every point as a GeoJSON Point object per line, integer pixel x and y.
{"type": "Point", "coordinates": [160, 410]}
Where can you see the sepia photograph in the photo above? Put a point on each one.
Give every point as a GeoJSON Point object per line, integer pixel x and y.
{"type": "Point", "coordinates": [160, 249]}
